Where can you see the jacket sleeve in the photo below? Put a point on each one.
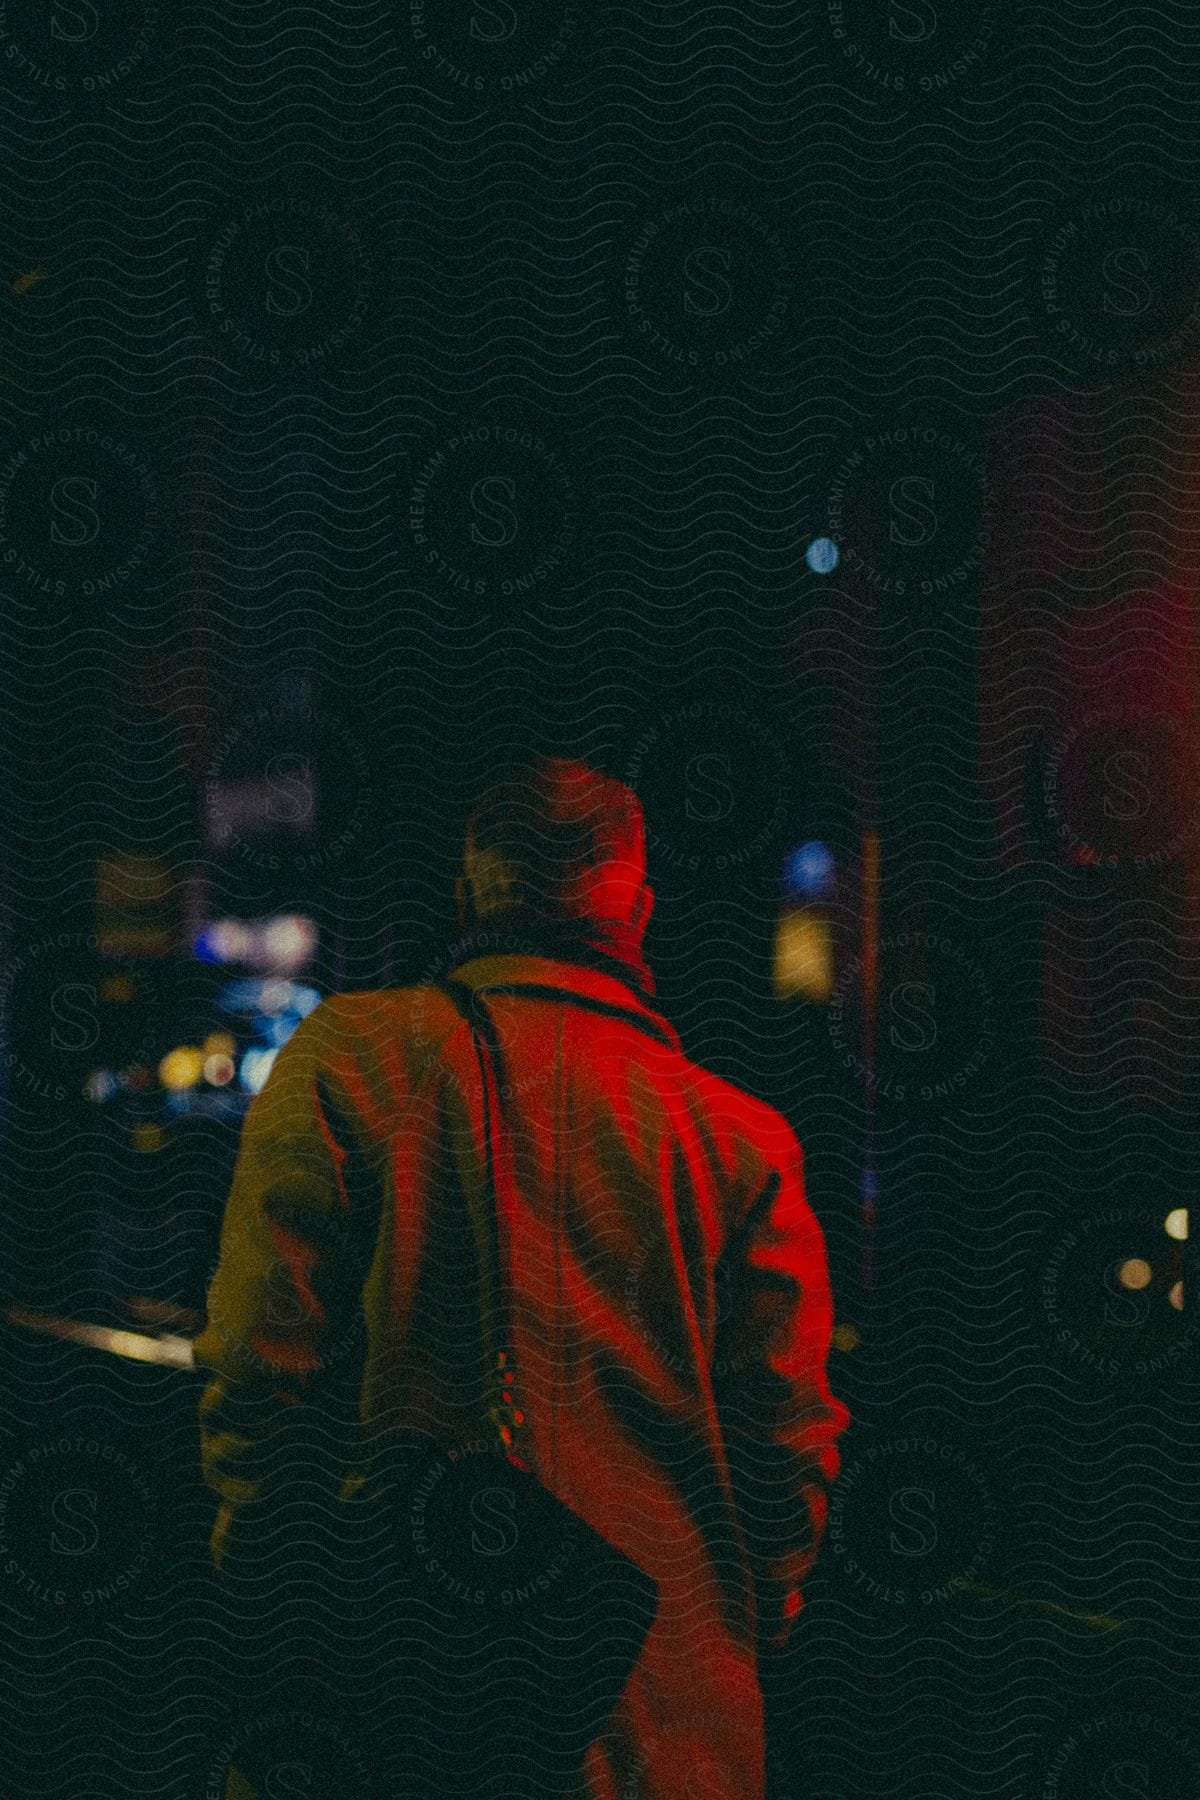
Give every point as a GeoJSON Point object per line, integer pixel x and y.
{"type": "Point", "coordinates": [287, 1283]}
{"type": "Point", "coordinates": [780, 1420]}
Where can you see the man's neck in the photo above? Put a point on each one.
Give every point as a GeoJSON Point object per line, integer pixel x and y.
{"type": "Point", "coordinates": [611, 945]}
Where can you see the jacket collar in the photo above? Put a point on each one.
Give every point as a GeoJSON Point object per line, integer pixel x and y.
{"type": "Point", "coordinates": [553, 979]}
{"type": "Point", "coordinates": [607, 945]}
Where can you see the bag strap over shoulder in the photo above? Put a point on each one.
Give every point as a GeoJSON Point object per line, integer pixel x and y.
{"type": "Point", "coordinates": [504, 1416]}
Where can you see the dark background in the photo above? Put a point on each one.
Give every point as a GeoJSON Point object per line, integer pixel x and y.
{"type": "Point", "coordinates": [938, 301]}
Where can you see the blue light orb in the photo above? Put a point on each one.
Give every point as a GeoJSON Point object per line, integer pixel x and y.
{"type": "Point", "coordinates": [101, 1085]}
{"type": "Point", "coordinates": [808, 871]}
{"type": "Point", "coordinates": [274, 1028]}
{"type": "Point", "coordinates": [822, 556]}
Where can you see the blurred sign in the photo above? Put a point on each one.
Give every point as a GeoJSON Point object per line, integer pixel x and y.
{"type": "Point", "coordinates": [281, 802]}
{"type": "Point", "coordinates": [134, 911]}
{"type": "Point", "coordinates": [803, 956]}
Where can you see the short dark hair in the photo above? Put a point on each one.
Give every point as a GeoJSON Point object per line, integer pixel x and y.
{"type": "Point", "coordinates": [553, 822]}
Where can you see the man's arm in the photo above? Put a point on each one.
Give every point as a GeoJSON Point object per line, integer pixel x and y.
{"type": "Point", "coordinates": [780, 1420]}
{"type": "Point", "coordinates": [287, 1282]}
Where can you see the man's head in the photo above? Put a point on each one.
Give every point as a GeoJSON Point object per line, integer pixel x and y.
{"type": "Point", "coordinates": [559, 837]}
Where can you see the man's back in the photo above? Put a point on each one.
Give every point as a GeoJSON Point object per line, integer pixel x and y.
{"type": "Point", "coordinates": [668, 1305]}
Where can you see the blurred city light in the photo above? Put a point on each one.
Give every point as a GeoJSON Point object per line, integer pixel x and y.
{"type": "Point", "coordinates": [255, 1067]}
{"type": "Point", "coordinates": [1176, 1296]}
{"type": "Point", "coordinates": [251, 997]}
{"type": "Point", "coordinates": [288, 943]}
{"type": "Point", "coordinates": [1176, 1223]}
{"type": "Point", "coordinates": [218, 1069]}
{"type": "Point", "coordinates": [224, 941]}
{"type": "Point", "coordinates": [275, 1028]}
{"type": "Point", "coordinates": [182, 1067]}
{"type": "Point", "coordinates": [277, 946]}
{"type": "Point", "coordinates": [1135, 1273]}
{"type": "Point", "coordinates": [822, 556]}
{"type": "Point", "coordinates": [239, 997]}
{"type": "Point", "coordinates": [175, 1352]}
{"type": "Point", "coordinates": [809, 870]}
{"type": "Point", "coordinates": [803, 957]}
{"type": "Point", "coordinates": [101, 1085]}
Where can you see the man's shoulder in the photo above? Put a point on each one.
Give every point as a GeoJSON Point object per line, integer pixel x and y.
{"type": "Point", "coordinates": [752, 1131]}
{"type": "Point", "coordinates": [375, 1022]}
{"type": "Point", "coordinates": [362, 1006]}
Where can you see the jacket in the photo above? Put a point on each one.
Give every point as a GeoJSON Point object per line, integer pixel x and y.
{"type": "Point", "coordinates": [669, 1306]}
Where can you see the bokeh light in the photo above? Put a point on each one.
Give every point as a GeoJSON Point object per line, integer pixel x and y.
{"type": "Point", "coordinates": [218, 1069]}
{"type": "Point", "coordinates": [803, 958]}
{"type": "Point", "coordinates": [809, 870]}
{"type": "Point", "coordinates": [101, 1085]}
{"type": "Point", "coordinates": [181, 1068]}
{"type": "Point", "coordinates": [255, 1067]}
